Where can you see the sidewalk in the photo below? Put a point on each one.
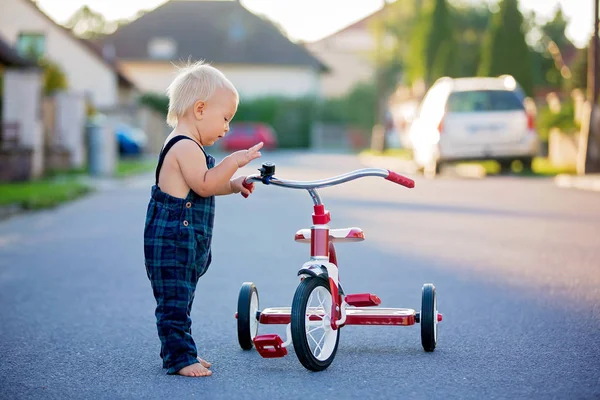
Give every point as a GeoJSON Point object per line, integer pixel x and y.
{"type": "Point", "coordinates": [583, 182]}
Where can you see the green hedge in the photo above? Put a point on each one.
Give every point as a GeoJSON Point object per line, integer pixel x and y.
{"type": "Point", "coordinates": [292, 119]}
{"type": "Point", "coordinates": [563, 120]}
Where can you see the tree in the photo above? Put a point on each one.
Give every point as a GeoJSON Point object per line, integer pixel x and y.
{"type": "Point", "coordinates": [505, 50]}
{"type": "Point", "coordinates": [580, 69]}
{"type": "Point", "coordinates": [441, 44]}
{"type": "Point", "coordinates": [53, 77]}
{"type": "Point", "coordinates": [554, 29]}
{"type": "Point", "coordinates": [470, 22]}
{"type": "Point", "coordinates": [89, 24]}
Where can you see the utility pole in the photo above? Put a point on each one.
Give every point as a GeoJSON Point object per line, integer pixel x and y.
{"type": "Point", "coordinates": [378, 139]}
{"type": "Point", "coordinates": [593, 81]}
{"type": "Point", "coordinates": [588, 157]}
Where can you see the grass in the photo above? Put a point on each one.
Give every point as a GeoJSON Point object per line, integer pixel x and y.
{"type": "Point", "coordinates": [42, 193]}
{"type": "Point", "coordinates": [404, 154]}
{"type": "Point", "coordinates": [540, 167]}
{"type": "Point", "coordinates": [60, 187]}
{"type": "Point", "coordinates": [134, 166]}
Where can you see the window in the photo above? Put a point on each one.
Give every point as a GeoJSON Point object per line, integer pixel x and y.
{"type": "Point", "coordinates": [484, 100]}
{"type": "Point", "coordinates": [162, 48]}
{"type": "Point", "coordinates": [31, 45]}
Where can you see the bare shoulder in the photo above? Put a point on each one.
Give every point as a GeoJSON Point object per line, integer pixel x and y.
{"type": "Point", "coordinates": [188, 152]}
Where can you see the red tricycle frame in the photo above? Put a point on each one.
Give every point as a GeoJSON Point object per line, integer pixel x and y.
{"type": "Point", "coordinates": [320, 275]}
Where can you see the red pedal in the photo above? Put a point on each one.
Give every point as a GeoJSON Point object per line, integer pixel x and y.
{"type": "Point", "coordinates": [362, 300]}
{"type": "Point", "coordinates": [269, 346]}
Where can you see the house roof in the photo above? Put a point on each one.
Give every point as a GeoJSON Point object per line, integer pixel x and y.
{"type": "Point", "coordinates": [215, 31]}
{"type": "Point", "coordinates": [123, 80]}
{"type": "Point", "coordinates": [361, 24]}
{"type": "Point", "coordinates": [10, 57]}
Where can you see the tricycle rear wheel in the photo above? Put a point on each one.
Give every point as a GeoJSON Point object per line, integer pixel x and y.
{"type": "Point", "coordinates": [247, 322]}
{"type": "Point", "coordinates": [428, 317]}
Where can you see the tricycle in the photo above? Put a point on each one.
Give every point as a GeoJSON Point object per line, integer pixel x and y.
{"type": "Point", "coordinates": [320, 307]}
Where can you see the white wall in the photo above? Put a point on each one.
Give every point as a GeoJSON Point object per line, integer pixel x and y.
{"type": "Point", "coordinates": [348, 54]}
{"type": "Point", "coordinates": [256, 81]}
{"type": "Point", "coordinates": [69, 124]}
{"type": "Point", "coordinates": [21, 104]}
{"type": "Point", "coordinates": [250, 80]}
{"type": "Point", "coordinates": [84, 70]}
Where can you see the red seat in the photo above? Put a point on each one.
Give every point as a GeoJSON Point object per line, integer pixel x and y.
{"type": "Point", "coordinates": [336, 235]}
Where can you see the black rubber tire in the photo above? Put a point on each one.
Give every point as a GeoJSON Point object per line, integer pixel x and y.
{"type": "Point", "coordinates": [299, 339]}
{"type": "Point", "coordinates": [428, 318]}
{"type": "Point", "coordinates": [245, 335]}
{"type": "Point", "coordinates": [505, 166]}
{"type": "Point", "coordinates": [527, 163]}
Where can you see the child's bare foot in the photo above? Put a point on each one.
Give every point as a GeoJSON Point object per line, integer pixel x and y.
{"type": "Point", "coordinates": [204, 363]}
{"type": "Point", "coordinates": [194, 370]}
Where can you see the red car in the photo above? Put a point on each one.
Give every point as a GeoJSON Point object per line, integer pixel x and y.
{"type": "Point", "coordinates": [243, 135]}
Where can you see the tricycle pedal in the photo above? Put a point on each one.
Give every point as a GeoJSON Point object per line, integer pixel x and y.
{"type": "Point", "coordinates": [362, 300]}
{"type": "Point", "coordinates": [269, 346]}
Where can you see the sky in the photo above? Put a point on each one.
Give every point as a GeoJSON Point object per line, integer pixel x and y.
{"type": "Point", "coordinates": [310, 20]}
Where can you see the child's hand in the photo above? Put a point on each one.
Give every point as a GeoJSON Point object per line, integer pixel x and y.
{"type": "Point", "coordinates": [243, 157]}
{"type": "Point", "coordinates": [237, 186]}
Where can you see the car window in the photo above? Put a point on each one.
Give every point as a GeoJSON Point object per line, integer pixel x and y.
{"type": "Point", "coordinates": [484, 100]}
{"type": "Point", "coordinates": [240, 130]}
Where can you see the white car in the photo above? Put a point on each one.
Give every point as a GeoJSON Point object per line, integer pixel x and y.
{"type": "Point", "coordinates": [473, 119]}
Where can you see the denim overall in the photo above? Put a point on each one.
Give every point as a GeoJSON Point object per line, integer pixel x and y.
{"type": "Point", "coordinates": [177, 238]}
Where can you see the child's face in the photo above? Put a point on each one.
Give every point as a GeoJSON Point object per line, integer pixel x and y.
{"type": "Point", "coordinates": [214, 115]}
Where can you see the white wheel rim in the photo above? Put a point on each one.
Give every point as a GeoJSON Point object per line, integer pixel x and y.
{"type": "Point", "coordinates": [435, 319]}
{"type": "Point", "coordinates": [321, 338]}
{"type": "Point", "coordinates": [253, 311]}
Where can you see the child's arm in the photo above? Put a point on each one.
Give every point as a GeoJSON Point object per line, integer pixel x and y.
{"type": "Point", "coordinates": [210, 182]}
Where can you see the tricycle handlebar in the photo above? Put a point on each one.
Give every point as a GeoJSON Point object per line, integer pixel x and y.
{"type": "Point", "coordinates": [336, 180]}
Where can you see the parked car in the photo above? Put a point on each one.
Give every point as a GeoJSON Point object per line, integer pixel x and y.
{"type": "Point", "coordinates": [474, 119]}
{"type": "Point", "coordinates": [131, 141]}
{"type": "Point", "coordinates": [243, 135]}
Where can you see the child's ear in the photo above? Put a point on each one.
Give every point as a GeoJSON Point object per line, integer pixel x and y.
{"type": "Point", "coordinates": [199, 108]}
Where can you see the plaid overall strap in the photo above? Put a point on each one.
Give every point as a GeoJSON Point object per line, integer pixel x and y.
{"type": "Point", "coordinates": [171, 143]}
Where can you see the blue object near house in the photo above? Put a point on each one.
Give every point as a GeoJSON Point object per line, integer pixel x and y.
{"type": "Point", "coordinates": [131, 141]}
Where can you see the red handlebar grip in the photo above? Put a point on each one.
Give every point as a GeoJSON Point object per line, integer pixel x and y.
{"type": "Point", "coordinates": [401, 180]}
{"type": "Point", "coordinates": [247, 186]}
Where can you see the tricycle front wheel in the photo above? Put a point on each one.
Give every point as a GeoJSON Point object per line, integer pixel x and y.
{"type": "Point", "coordinates": [247, 323]}
{"type": "Point", "coordinates": [315, 342]}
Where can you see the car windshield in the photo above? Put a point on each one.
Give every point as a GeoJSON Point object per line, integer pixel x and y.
{"type": "Point", "coordinates": [483, 100]}
{"type": "Point", "coordinates": [243, 130]}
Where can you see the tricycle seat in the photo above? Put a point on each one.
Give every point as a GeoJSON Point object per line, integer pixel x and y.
{"type": "Point", "coordinates": [335, 235]}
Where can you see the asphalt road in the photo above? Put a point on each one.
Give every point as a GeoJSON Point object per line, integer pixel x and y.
{"type": "Point", "coordinates": [515, 262]}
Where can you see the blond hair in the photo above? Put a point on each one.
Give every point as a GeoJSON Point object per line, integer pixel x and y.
{"type": "Point", "coordinates": [194, 82]}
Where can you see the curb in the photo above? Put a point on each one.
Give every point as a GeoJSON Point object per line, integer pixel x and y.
{"type": "Point", "coordinates": [9, 211]}
{"type": "Point", "coordinates": [582, 182]}
{"type": "Point", "coordinates": [392, 163]}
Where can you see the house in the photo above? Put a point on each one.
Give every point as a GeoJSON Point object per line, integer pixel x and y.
{"type": "Point", "coordinates": [349, 55]}
{"type": "Point", "coordinates": [21, 147]}
{"type": "Point", "coordinates": [27, 29]}
{"type": "Point", "coordinates": [251, 51]}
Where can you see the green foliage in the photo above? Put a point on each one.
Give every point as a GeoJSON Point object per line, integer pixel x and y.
{"type": "Point", "coordinates": [355, 109]}
{"type": "Point", "coordinates": [563, 120]}
{"type": "Point", "coordinates": [155, 101]}
{"type": "Point", "coordinates": [555, 29]}
{"type": "Point", "coordinates": [53, 77]}
{"type": "Point", "coordinates": [441, 45]}
{"type": "Point", "coordinates": [505, 50]}
{"type": "Point", "coordinates": [290, 118]}
{"type": "Point", "coordinates": [579, 70]}
{"type": "Point", "coordinates": [89, 24]}
{"type": "Point", "coordinates": [471, 22]}
{"type": "Point", "coordinates": [42, 193]}
{"type": "Point", "coordinates": [293, 119]}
